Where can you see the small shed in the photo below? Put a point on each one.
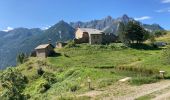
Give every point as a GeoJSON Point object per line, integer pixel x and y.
{"type": "Point", "coordinates": [44, 50]}
{"type": "Point", "coordinates": [60, 44]}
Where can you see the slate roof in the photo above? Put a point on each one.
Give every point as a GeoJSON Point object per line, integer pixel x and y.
{"type": "Point", "coordinates": [91, 31]}
{"type": "Point", "coordinates": [43, 46]}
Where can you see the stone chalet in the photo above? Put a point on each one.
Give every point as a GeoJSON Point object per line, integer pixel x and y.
{"type": "Point", "coordinates": [93, 36]}
{"type": "Point", "coordinates": [44, 50]}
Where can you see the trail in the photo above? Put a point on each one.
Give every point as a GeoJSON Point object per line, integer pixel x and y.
{"type": "Point", "coordinates": [128, 92]}
{"type": "Point", "coordinates": [142, 90]}
{"type": "Point", "coordinates": [164, 96]}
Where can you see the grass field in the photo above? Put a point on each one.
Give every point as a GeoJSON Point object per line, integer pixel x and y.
{"type": "Point", "coordinates": [103, 64]}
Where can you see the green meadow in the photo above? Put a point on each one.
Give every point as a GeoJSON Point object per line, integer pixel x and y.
{"type": "Point", "coordinates": [66, 75]}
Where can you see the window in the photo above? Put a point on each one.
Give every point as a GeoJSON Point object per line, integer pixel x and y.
{"type": "Point", "coordinates": [94, 37]}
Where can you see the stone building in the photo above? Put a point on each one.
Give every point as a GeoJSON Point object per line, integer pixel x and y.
{"type": "Point", "coordinates": [87, 35]}
{"type": "Point", "coordinates": [93, 36]}
{"type": "Point", "coordinates": [44, 50]}
{"type": "Point", "coordinates": [109, 38]}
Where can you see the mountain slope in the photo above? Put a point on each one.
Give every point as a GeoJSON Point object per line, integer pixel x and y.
{"type": "Point", "coordinates": [25, 40]}
{"type": "Point", "coordinates": [11, 43]}
{"type": "Point", "coordinates": [59, 32]}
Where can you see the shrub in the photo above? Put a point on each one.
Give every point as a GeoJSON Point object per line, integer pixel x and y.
{"type": "Point", "coordinates": [13, 83]}
{"type": "Point", "coordinates": [159, 33]}
{"type": "Point", "coordinates": [70, 44]}
{"type": "Point", "coordinates": [43, 87]}
{"type": "Point", "coordinates": [74, 87]}
{"type": "Point", "coordinates": [21, 58]}
{"type": "Point", "coordinates": [117, 46]}
{"type": "Point", "coordinates": [65, 55]}
{"type": "Point", "coordinates": [42, 63]}
{"type": "Point", "coordinates": [40, 71]}
{"type": "Point", "coordinates": [49, 77]}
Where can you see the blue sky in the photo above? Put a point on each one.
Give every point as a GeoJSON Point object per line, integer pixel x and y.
{"type": "Point", "coordinates": [43, 13]}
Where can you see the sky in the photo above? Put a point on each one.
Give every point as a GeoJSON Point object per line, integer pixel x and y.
{"type": "Point", "coordinates": [44, 13]}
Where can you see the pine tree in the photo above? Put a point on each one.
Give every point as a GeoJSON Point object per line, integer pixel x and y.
{"type": "Point", "coordinates": [21, 58]}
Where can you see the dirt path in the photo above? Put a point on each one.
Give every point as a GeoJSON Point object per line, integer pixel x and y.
{"type": "Point", "coordinates": [165, 96]}
{"type": "Point", "coordinates": [142, 90]}
{"type": "Point", "coordinates": [122, 91]}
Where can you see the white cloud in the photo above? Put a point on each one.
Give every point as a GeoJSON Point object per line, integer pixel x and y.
{"type": "Point", "coordinates": [143, 18]}
{"type": "Point", "coordinates": [8, 29]}
{"type": "Point", "coordinates": [45, 28]}
{"type": "Point", "coordinates": [163, 10]}
{"type": "Point", "coordinates": [160, 11]}
{"type": "Point", "coordinates": [165, 1]}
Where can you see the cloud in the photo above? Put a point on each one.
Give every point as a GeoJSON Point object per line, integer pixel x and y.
{"type": "Point", "coordinates": [143, 18]}
{"type": "Point", "coordinates": [8, 29]}
{"type": "Point", "coordinates": [165, 10]}
{"type": "Point", "coordinates": [45, 28]}
{"type": "Point", "coordinates": [165, 1]}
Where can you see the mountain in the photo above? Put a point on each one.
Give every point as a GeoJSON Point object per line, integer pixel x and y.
{"type": "Point", "coordinates": [25, 40]}
{"type": "Point", "coordinates": [11, 42]}
{"type": "Point", "coordinates": [153, 27]}
{"type": "Point", "coordinates": [2, 33]}
{"type": "Point", "coordinates": [111, 25]}
{"type": "Point", "coordinates": [59, 32]}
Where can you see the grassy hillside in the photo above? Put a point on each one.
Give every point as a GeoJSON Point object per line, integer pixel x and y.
{"type": "Point", "coordinates": [66, 74]}
{"type": "Point", "coordinates": [165, 38]}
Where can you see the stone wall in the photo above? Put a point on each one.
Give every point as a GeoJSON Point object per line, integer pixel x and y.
{"type": "Point", "coordinates": [96, 39]}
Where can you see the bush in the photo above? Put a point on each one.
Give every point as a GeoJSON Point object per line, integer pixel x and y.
{"type": "Point", "coordinates": [50, 77]}
{"type": "Point", "coordinates": [40, 71]}
{"type": "Point", "coordinates": [65, 55]}
{"type": "Point", "coordinates": [70, 44]}
{"type": "Point", "coordinates": [74, 88]}
{"type": "Point", "coordinates": [43, 87]}
{"type": "Point", "coordinates": [159, 33]}
{"type": "Point", "coordinates": [117, 46]}
{"type": "Point", "coordinates": [13, 83]}
{"type": "Point", "coordinates": [21, 58]}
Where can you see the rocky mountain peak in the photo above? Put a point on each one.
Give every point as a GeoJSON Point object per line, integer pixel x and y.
{"type": "Point", "coordinates": [108, 18]}
{"type": "Point", "coordinates": [125, 16]}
